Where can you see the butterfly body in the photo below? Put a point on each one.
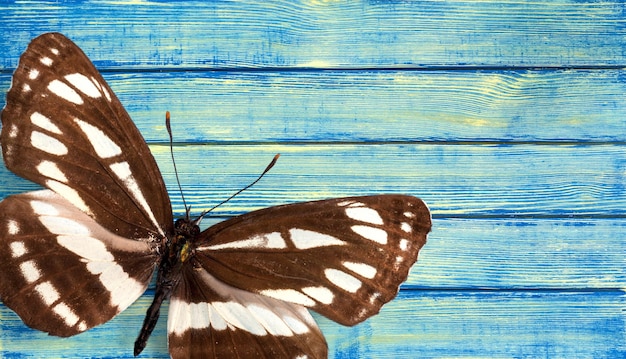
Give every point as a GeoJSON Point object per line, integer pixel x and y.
{"type": "Point", "coordinates": [84, 249]}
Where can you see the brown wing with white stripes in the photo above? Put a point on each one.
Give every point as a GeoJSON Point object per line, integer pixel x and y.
{"type": "Point", "coordinates": [64, 128]}
{"type": "Point", "coordinates": [344, 258]}
{"type": "Point", "coordinates": [62, 272]}
{"type": "Point", "coordinates": [210, 319]}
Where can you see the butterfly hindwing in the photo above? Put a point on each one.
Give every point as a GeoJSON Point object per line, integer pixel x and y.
{"type": "Point", "coordinates": [64, 128]}
{"type": "Point", "coordinates": [62, 272]}
{"type": "Point", "coordinates": [343, 258]}
{"type": "Point", "coordinates": [210, 319]}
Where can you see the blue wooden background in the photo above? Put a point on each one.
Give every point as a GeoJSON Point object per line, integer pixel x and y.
{"type": "Point", "coordinates": [507, 117]}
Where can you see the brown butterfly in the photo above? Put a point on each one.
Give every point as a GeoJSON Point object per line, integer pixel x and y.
{"type": "Point", "coordinates": [81, 251]}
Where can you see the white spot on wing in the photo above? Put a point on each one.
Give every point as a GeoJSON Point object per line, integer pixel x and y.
{"type": "Point", "coordinates": [47, 144]}
{"type": "Point", "coordinates": [374, 297]}
{"type": "Point", "coordinates": [102, 88]}
{"type": "Point", "coordinates": [404, 244]}
{"type": "Point", "coordinates": [178, 320]}
{"type": "Point", "coordinates": [266, 240]}
{"type": "Point", "coordinates": [289, 295]}
{"type": "Point", "coordinates": [83, 84]}
{"type": "Point", "coordinates": [13, 228]}
{"type": "Point", "coordinates": [44, 122]}
{"type": "Point", "coordinates": [51, 170]}
{"type": "Point", "coordinates": [409, 214]}
{"type": "Point", "coordinates": [43, 208]}
{"type": "Point", "coordinates": [321, 294]}
{"type": "Point", "coordinates": [46, 61]}
{"type": "Point", "coordinates": [364, 214]}
{"type": "Point", "coordinates": [406, 227]}
{"type": "Point", "coordinates": [199, 315]}
{"type": "Point", "coordinates": [373, 234]}
{"type": "Point", "coordinates": [30, 271]}
{"type": "Point", "coordinates": [69, 194]}
{"type": "Point", "coordinates": [101, 143]}
{"type": "Point", "coordinates": [123, 172]}
{"type": "Point", "coordinates": [217, 322]}
{"type": "Point", "coordinates": [272, 323]}
{"type": "Point", "coordinates": [362, 269]}
{"type": "Point", "coordinates": [13, 131]}
{"type": "Point", "coordinates": [184, 316]}
{"type": "Point", "coordinates": [54, 50]}
{"type": "Point", "coordinates": [79, 243]}
{"type": "Point", "coordinates": [399, 260]}
{"type": "Point", "coordinates": [296, 325]}
{"type": "Point", "coordinates": [47, 293]}
{"type": "Point", "coordinates": [305, 239]}
{"type": "Point", "coordinates": [239, 316]}
{"type": "Point", "coordinates": [123, 289]}
{"type": "Point", "coordinates": [65, 92]}
{"type": "Point", "coordinates": [33, 74]}
{"type": "Point", "coordinates": [343, 280]}
{"type": "Point", "coordinates": [18, 249]}
{"type": "Point", "coordinates": [66, 313]}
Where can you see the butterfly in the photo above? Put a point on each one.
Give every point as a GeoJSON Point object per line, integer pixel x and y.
{"type": "Point", "coordinates": [76, 254]}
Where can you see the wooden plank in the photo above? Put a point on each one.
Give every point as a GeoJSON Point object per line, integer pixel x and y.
{"type": "Point", "coordinates": [327, 34]}
{"type": "Point", "coordinates": [523, 169]}
{"type": "Point", "coordinates": [461, 180]}
{"type": "Point", "coordinates": [455, 180]}
{"type": "Point", "coordinates": [417, 324]}
{"type": "Point", "coordinates": [523, 254]}
{"type": "Point", "coordinates": [504, 106]}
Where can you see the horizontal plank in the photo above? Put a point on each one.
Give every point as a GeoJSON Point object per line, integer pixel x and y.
{"type": "Point", "coordinates": [536, 254]}
{"type": "Point", "coordinates": [342, 106]}
{"type": "Point", "coordinates": [455, 181]}
{"type": "Point", "coordinates": [326, 34]}
{"type": "Point", "coordinates": [431, 324]}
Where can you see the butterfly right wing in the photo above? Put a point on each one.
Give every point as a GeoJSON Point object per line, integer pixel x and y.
{"type": "Point", "coordinates": [62, 272]}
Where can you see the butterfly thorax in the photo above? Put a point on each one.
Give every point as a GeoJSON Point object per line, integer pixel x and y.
{"type": "Point", "coordinates": [184, 233]}
{"type": "Point", "coordinates": [178, 251]}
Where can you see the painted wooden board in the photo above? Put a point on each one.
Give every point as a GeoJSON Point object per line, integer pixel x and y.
{"type": "Point", "coordinates": [437, 324]}
{"type": "Point", "coordinates": [507, 117]}
{"type": "Point", "coordinates": [467, 180]}
{"type": "Point", "coordinates": [327, 34]}
{"type": "Point", "coordinates": [357, 106]}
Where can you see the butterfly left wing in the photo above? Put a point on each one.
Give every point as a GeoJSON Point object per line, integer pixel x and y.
{"type": "Point", "coordinates": [64, 128]}
{"type": "Point", "coordinates": [343, 258]}
{"type": "Point", "coordinates": [62, 272]}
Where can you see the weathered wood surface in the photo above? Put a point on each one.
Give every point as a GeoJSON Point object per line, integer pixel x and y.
{"type": "Point", "coordinates": [507, 118]}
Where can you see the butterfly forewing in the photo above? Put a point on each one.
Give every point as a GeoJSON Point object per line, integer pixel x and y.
{"type": "Point", "coordinates": [343, 258]}
{"type": "Point", "coordinates": [61, 271]}
{"type": "Point", "coordinates": [64, 128]}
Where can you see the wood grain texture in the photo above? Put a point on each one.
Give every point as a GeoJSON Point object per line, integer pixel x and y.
{"type": "Point", "coordinates": [328, 34]}
{"type": "Point", "coordinates": [506, 117]}
{"type": "Point", "coordinates": [358, 106]}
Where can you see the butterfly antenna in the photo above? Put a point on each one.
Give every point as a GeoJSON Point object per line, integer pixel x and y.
{"type": "Point", "coordinates": [169, 132]}
{"type": "Point", "coordinates": [267, 169]}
